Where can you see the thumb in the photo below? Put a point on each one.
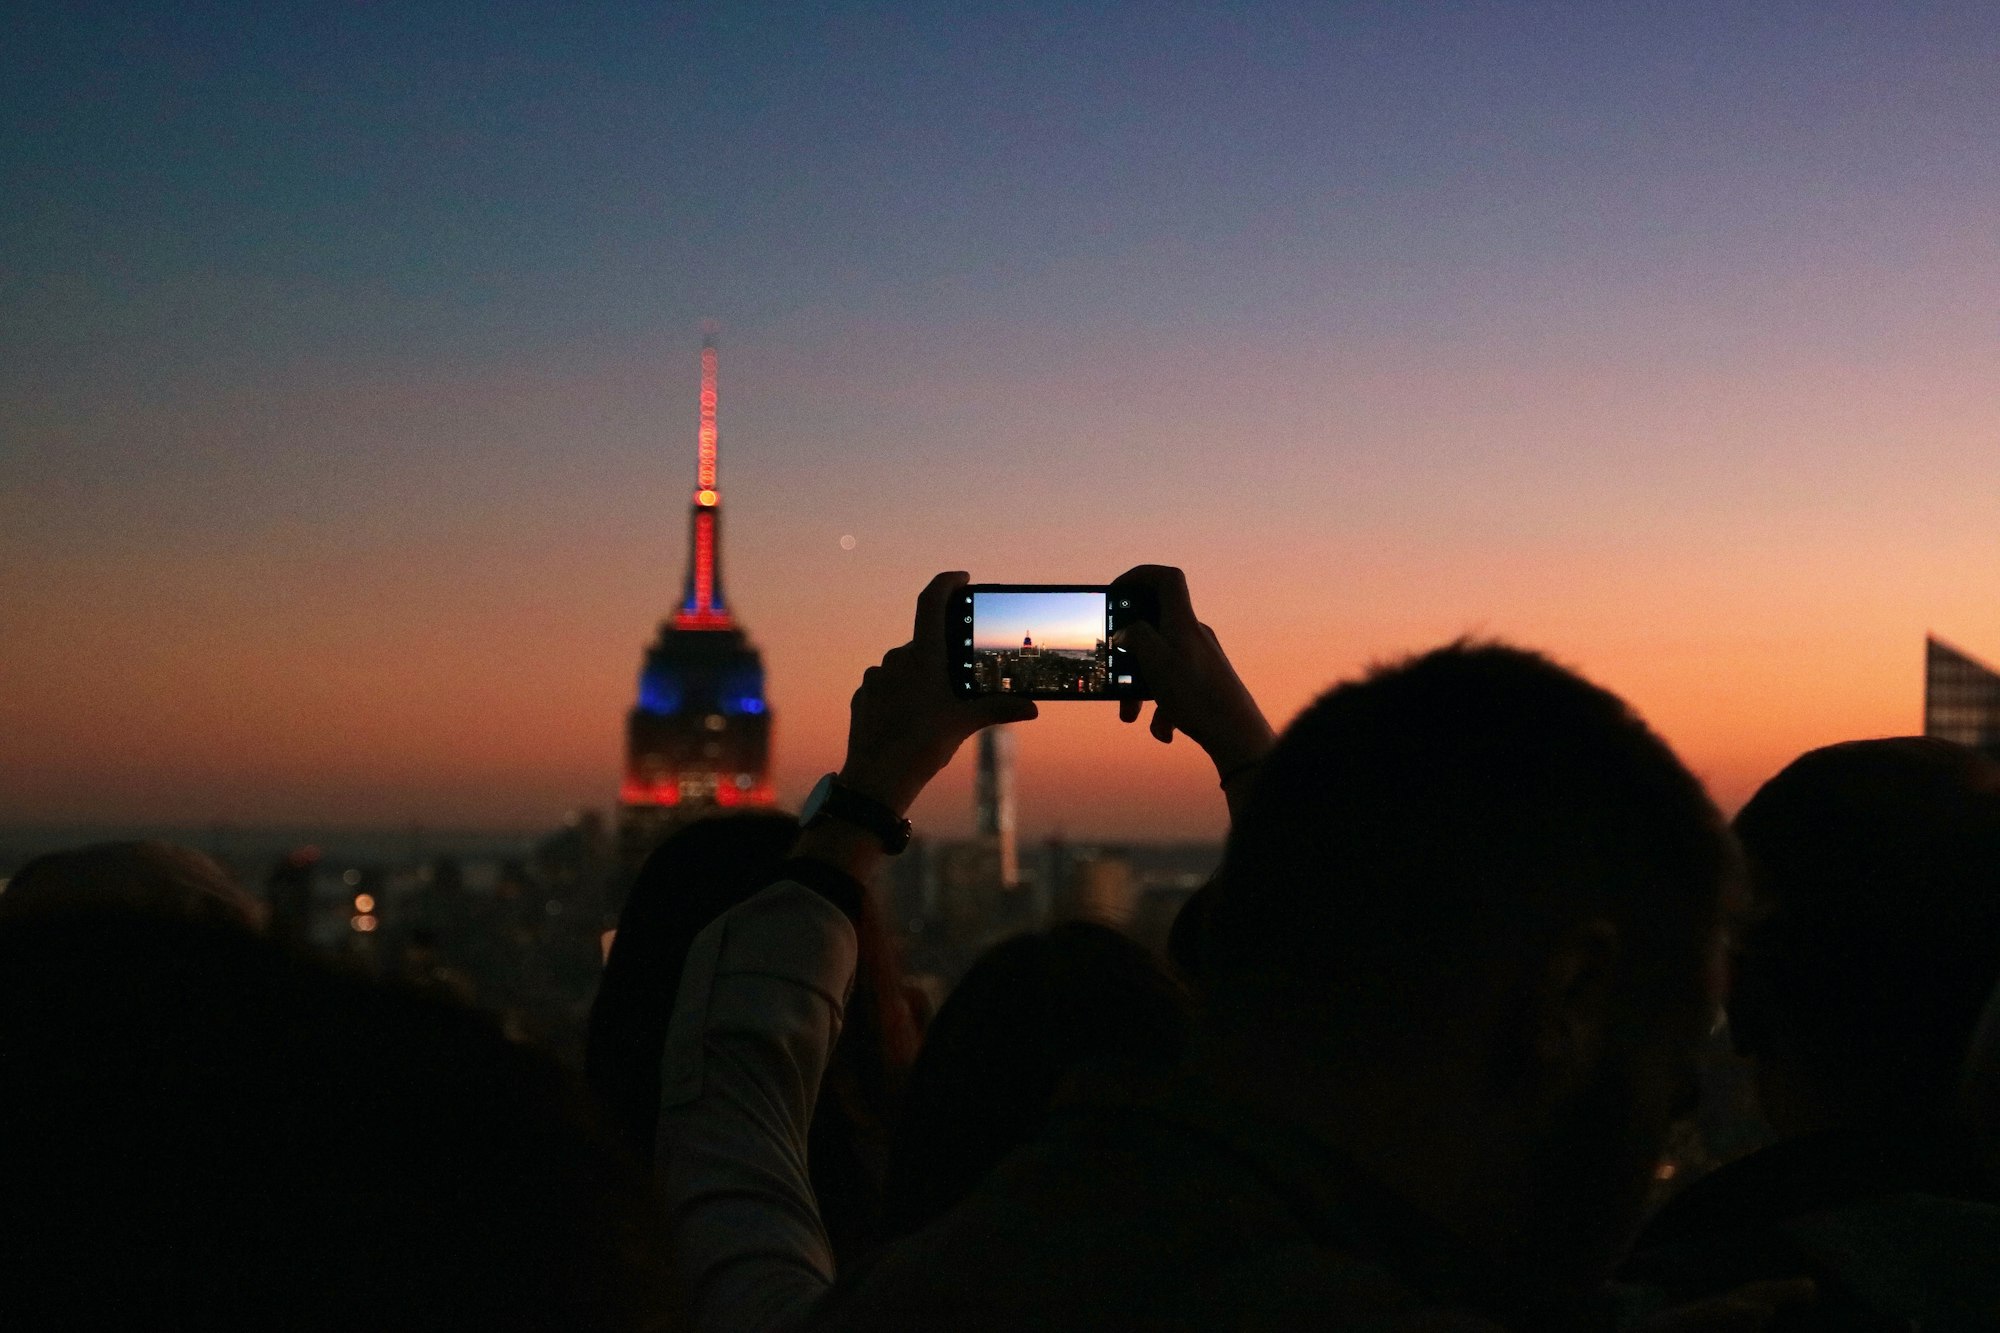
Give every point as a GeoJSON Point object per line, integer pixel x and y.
{"type": "Point", "coordinates": [1149, 651]}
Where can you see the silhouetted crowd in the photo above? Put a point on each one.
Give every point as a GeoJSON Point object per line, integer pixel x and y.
{"type": "Point", "coordinates": [1415, 1058]}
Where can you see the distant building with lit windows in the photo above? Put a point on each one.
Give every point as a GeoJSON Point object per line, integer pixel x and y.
{"type": "Point", "coordinates": [699, 739]}
{"type": "Point", "coordinates": [1033, 668]}
{"type": "Point", "coordinates": [1961, 697]}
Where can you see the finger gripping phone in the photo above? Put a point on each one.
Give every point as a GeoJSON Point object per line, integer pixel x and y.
{"type": "Point", "coordinates": [1044, 640]}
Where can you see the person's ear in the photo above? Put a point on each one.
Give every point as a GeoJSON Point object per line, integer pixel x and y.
{"type": "Point", "coordinates": [1572, 1003]}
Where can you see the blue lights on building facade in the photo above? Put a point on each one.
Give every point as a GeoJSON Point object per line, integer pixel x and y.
{"type": "Point", "coordinates": [664, 688]}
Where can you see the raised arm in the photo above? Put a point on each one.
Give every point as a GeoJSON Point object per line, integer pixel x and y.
{"type": "Point", "coordinates": [762, 1003]}
{"type": "Point", "coordinates": [760, 1008]}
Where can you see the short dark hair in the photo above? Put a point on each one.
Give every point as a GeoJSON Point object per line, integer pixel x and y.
{"type": "Point", "coordinates": [200, 1129]}
{"type": "Point", "coordinates": [691, 878]}
{"type": "Point", "coordinates": [1875, 932]}
{"type": "Point", "coordinates": [160, 878]}
{"type": "Point", "coordinates": [1077, 999]}
{"type": "Point", "coordinates": [1441, 812]}
{"type": "Point", "coordinates": [703, 870]}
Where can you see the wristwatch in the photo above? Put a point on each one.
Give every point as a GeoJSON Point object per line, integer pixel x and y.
{"type": "Point", "coordinates": [830, 800]}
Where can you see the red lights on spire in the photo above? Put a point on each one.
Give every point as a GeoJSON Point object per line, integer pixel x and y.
{"type": "Point", "coordinates": [704, 561]}
{"type": "Point", "coordinates": [702, 606]}
{"type": "Point", "coordinates": [700, 610]}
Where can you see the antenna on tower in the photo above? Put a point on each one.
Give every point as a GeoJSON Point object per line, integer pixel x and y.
{"type": "Point", "coordinates": [704, 486]}
{"type": "Point", "coordinates": [702, 605]}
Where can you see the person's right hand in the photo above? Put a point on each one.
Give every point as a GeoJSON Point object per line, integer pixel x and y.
{"type": "Point", "coordinates": [1184, 668]}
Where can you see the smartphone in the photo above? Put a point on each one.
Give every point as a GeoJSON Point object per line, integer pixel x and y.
{"type": "Point", "coordinates": [1044, 640]}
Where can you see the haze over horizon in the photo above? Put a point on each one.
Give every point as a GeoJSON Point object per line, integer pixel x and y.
{"type": "Point", "coordinates": [349, 365]}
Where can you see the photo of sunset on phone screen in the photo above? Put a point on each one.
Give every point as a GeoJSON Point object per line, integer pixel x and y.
{"type": "Point", "coordinates": [1048, 643]}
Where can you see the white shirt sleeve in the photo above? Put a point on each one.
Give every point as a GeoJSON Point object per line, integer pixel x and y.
{"type": "Point", "coordinates": [759, 1009]}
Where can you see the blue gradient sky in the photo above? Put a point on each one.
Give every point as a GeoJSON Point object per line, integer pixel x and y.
{"type": "Point", "coordinates": [347, 356]}
{"type": "Point", "coordinates": [1069, 620]}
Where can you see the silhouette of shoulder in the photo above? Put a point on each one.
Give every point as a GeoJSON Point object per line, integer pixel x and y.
{"type": "Point", "coordinates": [1890, 1226]}
{"type": "Point", "coordinates": [1169, 1216]}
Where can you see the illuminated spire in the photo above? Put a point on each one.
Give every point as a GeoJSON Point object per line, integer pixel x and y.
{"type": "Point", "coordinates": [702, 604]}
{"type": "Point", "coordinates": [704, 476]}
{"type": "Point", "coordinates": [699, 738]}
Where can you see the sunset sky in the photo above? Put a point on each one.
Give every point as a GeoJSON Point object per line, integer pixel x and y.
{"type": "Point", "coordinates": [349, 358]}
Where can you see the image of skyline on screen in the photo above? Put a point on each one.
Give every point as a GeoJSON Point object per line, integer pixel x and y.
{"type": "Point", "coordinates": [1055, 621]}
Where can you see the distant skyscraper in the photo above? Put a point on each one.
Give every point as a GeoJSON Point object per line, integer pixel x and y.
{"type": "Point", "coordinates": [994, 797]}
{"type": "Point", "coordinates": [699, 738]}
{"type": "Point", "coordinates": [1961, 697]}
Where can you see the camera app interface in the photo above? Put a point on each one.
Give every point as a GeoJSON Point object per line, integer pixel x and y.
{"type": "Point", "coordinates": [1050, 644]}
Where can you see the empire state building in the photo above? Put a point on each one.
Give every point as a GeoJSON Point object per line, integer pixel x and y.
{"type": "Point", "coordinates": [699, 738]}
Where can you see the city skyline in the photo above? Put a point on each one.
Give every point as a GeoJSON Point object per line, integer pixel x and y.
{"type": "Point", "coordinates": [344, 356]}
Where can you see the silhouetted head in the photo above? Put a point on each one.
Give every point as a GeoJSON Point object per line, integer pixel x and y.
{"type": "Point", "coordinates": [693, 877]}
{"type": "Point", "coordinates": [1077, 1009]}
{"type": "Point", "coordinates": [1485, 896]}
{"type": "Point", "coordinates": [1978, 1099]}
{"type": "Point", "coordinates": [1874, 934]}
{"type": "Point", "coordinates": [690, 879]}
{"type": "Point", "coordinates": [159, 878]}
{"type": "Point", "coordinates": [200, 1130]}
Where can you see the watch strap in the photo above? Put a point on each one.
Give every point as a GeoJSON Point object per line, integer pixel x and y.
{"type": "Point", "coordinates": [866, 813]}
{"type": "Point", "coordinates": [835, 885]}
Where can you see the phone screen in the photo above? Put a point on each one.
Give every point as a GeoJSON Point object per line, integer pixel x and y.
{"type": "Point", "coordinates": [1049, 642]}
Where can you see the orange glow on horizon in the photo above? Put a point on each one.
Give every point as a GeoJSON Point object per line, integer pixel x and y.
{"type": "Point", "coordinates": [346, 665]}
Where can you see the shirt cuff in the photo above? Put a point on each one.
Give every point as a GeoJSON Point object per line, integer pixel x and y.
{"type": "Point", "coordinates": [835, 885]}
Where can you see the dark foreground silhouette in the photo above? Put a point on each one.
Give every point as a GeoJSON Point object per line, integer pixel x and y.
{"type": "Point", "coordinates": [1413, 1068]}
{"type": "Point", "coordinates": [1871, 948]}
{"type": "Point", "coordinates": [199, 1130]}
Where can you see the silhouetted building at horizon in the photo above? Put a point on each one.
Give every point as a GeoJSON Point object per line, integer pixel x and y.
{"type": "Point", "coordinates": [698, 740]}
{"type": "Point", "coordinates": [993, 801]}
{"type": "Point", "coordinates": [1100, 886]}
{"type": "Point", "coordinates": [1961, 697]}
